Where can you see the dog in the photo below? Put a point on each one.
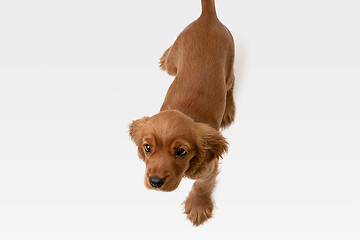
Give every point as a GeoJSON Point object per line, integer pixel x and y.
{"type": "Point", "coordinates": [183, 139]}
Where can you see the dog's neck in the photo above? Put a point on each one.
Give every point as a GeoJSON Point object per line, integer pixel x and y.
{"type": "Point", "coordinates": [194, 110]}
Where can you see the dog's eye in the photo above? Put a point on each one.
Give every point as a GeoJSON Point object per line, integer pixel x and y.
{"type": "Point", "coordinates": [180, 152]}
{"type": "Point", "coordinates": [147, 148]}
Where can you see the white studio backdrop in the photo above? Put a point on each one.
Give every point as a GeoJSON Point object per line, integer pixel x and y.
{"type": "Point", "coordinates": [74, 74]}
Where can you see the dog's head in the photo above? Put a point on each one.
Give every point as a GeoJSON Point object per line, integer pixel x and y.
{"type": "Point", "coordinates": [173, 145]}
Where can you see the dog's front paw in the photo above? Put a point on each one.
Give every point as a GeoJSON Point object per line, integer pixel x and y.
{"type": "Point", "coordinates": [198, 210]}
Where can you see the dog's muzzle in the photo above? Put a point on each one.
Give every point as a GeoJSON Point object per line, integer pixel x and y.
{"type": "Point", "coordinates": [156, 182]}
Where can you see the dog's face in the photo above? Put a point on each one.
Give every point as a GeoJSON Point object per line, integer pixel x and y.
{"type": "Point", "coordinates": [172, 146]}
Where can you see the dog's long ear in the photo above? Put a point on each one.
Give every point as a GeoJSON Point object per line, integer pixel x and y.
{"type": "Point", "coordinates": [136, 135]}
{"type": "Point", "coordinates": [211, 145]}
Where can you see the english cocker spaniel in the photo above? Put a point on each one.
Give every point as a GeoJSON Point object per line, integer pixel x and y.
{"type": "Point", "coordinates": [183, 139]}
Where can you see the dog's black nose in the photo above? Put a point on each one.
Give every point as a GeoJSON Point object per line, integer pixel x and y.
{"type": "Point", "coordinates": [156, 181]}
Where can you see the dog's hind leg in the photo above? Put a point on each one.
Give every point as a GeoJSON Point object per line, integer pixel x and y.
{"type": "Point", "coordinates": [162, 62]}
{"type": "Point", "coordinates": [229, 114]}
{"type": "Point", "coordinates": [168, 60]}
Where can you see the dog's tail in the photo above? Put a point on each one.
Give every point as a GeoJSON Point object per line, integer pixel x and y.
{"type": "Point", "coordinates": [208, 7]}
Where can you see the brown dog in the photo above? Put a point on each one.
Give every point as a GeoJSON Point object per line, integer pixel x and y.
{"type": "Point", "coordinates": [183, 140]}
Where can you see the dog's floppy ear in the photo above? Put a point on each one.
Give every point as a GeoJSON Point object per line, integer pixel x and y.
{"type": "Point", "coordinates": [211, 145]}
{"type": "Point", "coordinates": [136, 135]}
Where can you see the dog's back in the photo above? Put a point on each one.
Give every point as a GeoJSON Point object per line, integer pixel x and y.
{"type": "Point", "coordinates": [202, 59]}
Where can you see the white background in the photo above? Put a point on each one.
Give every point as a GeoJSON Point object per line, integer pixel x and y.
{"type": "Point", "coordinates": [74, 73]}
